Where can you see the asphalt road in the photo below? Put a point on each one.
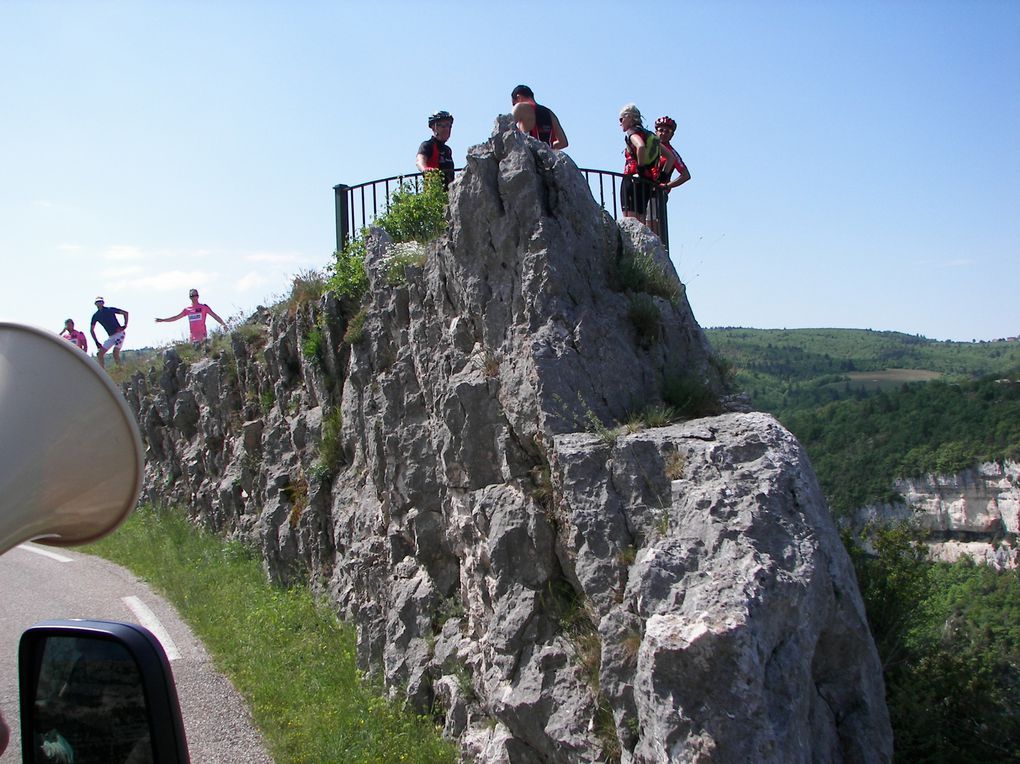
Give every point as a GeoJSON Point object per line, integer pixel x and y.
{"type": "Point", "coordinates": [38, 583]}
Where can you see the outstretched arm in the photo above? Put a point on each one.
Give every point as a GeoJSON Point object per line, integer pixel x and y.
{"type": "Point", "coordinates": [213, 314]}
{"type": "Point", "coordinates": [172, 318]}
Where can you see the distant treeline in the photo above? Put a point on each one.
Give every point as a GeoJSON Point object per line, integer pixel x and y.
{"type": "Point", "coordinates": [861, 439]}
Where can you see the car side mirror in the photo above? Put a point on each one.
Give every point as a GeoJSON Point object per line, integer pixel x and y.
{"type": "Point", "coordinates": [97, 692]}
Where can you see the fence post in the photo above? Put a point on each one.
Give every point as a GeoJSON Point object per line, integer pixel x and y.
{"type": "Point", "coordinates": [664, 219]}
{"type": "Point", "coordinates": [342, 216]}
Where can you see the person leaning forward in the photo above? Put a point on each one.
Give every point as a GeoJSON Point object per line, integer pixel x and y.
{"type": "Point", "coordinates": [536, 120]}
{"type": "Point", "coordinates": [107, 317]}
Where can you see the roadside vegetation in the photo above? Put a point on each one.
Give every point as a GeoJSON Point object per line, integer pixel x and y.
{"type": "Point", "coordinates": [288, 655]}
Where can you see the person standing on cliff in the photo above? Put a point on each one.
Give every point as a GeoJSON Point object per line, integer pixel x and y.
{"type": "Point", "coordinates": [107, 317]}
{"type": "Point", "coordinates": [536, 120]}
{"type": "Point", "coordinates": [72, 335]}
{"type": "Point", "coordinates": [641, 167]}
{"type": "Point", "coordinates": [196, 313]}
{"type": "Point", "coordinates": [665, 128]}
{"type": "Point", "coordinates": [434, 154]}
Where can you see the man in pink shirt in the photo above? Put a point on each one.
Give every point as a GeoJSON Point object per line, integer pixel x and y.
{"type": "Point", "coordinates": [196, 313]}
{"type": "Point", "coordinates": [71, 334]}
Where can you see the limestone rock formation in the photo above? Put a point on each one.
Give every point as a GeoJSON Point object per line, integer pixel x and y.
{"type": "Point", "coordinates": [974, 513]}
{"type": "Point", "coordinates": [559, 588]}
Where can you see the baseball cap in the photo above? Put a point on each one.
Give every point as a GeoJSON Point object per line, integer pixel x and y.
{"type": "Point", "coordinates": [99, 299]}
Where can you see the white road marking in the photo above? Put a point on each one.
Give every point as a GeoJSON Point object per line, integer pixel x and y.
{"type": "Point", "coordinates": [45, 552]}
{"type": "Point", "coordinates": [149, 620]}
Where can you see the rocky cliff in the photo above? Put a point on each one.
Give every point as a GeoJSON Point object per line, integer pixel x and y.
{"type": "Point", "coordinates": [557, 588]}
{"type": "Point", "coordinates": [974, 513]}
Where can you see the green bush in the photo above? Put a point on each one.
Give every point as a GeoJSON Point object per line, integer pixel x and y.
{"type": "Point", "coordinates": [690, 396]}
{"type": "Point", "coordinates": [411, 216]}
{"type": "Point", "coordinates": [414, 216]}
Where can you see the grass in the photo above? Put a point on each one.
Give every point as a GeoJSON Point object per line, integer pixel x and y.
{"type": "Point", "coordinates": [290, 657]}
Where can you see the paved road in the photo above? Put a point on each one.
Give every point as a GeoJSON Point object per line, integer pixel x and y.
{"type": "Point", "coordinates": [39, 583]}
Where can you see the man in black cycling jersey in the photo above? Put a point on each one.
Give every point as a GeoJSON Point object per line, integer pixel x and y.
{"type": "Point", "coordinates": [536, 120]}
{"type": "Point", "coordinates": [435, 154]}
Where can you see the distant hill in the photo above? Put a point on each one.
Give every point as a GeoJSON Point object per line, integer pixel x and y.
{"type": "Point", "coordinates": [871, 407]}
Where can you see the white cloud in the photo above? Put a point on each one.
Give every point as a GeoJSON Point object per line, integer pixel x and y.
{"type": "Point", "coordinates": [69, 248]}
{"type": "Point", "coordinates": [167, 281]}
{"type": "Point", "coordinates": [250, 281]}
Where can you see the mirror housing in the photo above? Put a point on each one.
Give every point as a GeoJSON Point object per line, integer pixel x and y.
{"type": "Point", "coordinates": [97, 691]}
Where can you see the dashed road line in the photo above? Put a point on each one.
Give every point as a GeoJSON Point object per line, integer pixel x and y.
{"type": "Point", "coordinates": [149, 620]}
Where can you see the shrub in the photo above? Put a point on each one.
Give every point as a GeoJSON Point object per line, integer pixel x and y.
{"type": "Point", "coordinates": [355, 329]}
{"type": "Point", "coordinates": [638, 272]}
{"type": "Point", "coordinates": [307, 286]}
{"type": "Point", "coordinates": [690, 396]}
{"type": "Point", "coordinates": [414, 216]}
{"type": "Point", "coordinates": [644, 315]}
{"type": "Point", "coordinates": [347, 274]}
{"type": "Point", "coordinates": [312, 347]}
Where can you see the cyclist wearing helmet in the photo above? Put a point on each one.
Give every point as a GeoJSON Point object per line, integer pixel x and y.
{"type": "Point", "coordinates": [669, 160]}
{"type": "Point", "coordinates": [665, 127]}
{"type": "Point", "coordinates": [434, 154]}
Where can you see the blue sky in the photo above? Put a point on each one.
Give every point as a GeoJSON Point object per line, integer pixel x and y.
{"type": "Point", "coordinates": [854, 164]}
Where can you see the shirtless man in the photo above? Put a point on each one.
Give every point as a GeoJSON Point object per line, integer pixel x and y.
{"type": "Point", "coordinates": [536, 120]}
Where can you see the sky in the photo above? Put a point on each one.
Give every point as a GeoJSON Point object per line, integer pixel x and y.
{"type": "Point", "coordinates": [854, 164]}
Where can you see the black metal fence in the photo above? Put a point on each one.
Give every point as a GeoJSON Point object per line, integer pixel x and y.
{"type": "Point", "coordinates": [357, 206]}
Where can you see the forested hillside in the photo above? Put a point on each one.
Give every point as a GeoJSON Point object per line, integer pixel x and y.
{"type": "Point", "coordinates": [948, 635]}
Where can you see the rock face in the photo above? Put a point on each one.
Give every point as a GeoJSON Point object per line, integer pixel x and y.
{"type": "Point", "coordinates": [975, 513]}
{"type": "Point", "coordinates": [560, 590]}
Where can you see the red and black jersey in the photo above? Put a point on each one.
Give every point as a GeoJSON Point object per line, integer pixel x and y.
{"type": "Point", "coordinates": [438, 156]}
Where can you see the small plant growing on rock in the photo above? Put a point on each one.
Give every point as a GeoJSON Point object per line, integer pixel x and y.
{"type": "Point", "coordinates": [644, 315]}
{"type": "Point", "coordinates": [676, 463]}
{"type": "Point", "coordinates": [690, 396]}
{"type": "Point", "coordinates": [331, 452]}
{"type": "Point", "coordinates": [266, 400]}
{"type": "Point", "coordinates": [638, 272]}
{"type": "Point", "coordinates": [355, 333]}
{"type": "Point", "coordinates": [298, 493]}
{"type": "Point", "coordinates": [347, 277]}
{"type": "Point", "coordinates": [402, 255]}
{"type": "Point", "coordinates": [307, 286]}
{"type": "Point", "coordinates": [313, 347]}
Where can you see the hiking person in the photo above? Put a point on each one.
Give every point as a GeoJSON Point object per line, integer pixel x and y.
{"type": "Point", "coordinates": [536, 120]}
{"type": "Point", "coordinates": [434, 154]}
{"type": "Point", "coordinates": [641, 166]}
{"type": "Point", "coordinates": [107, 317]}
{"type": "Point", "coordinates": [665, 128]}
{"type": "Point", "coordinates": [196, 313]}
{"type": "Point", "coordinates": [71, 334]}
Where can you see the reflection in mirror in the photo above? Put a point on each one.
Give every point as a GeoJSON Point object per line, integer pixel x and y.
{"type": "Point", "coordinates": [89, 704]}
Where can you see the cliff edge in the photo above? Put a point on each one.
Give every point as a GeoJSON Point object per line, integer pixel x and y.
{"type": "Point", "coordinates": [555, 587]}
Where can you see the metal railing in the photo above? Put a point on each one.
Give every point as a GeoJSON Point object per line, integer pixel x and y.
{"type": "Point", "coordinates": [357, 206]}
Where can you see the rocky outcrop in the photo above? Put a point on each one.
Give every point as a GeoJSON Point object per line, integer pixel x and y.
{"type": "Point", "coordinates": [974, 513]}
{"type": "Point", "coordinates": [559, 588]}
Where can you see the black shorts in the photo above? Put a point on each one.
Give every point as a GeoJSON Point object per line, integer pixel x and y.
{"type": "Point", "coordinates": [635, 193]}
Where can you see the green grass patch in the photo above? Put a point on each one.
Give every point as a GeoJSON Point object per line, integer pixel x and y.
{"type": "Point", "coordinates": [289, 656]}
